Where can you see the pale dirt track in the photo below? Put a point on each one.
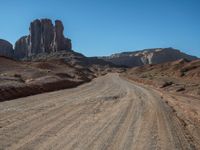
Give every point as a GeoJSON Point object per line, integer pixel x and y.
{"type": "Point", "coordinates": [107, 113]}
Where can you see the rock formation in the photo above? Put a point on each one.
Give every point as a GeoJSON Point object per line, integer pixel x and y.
{"type": "Point", "coordinates": [6, 48]}
{"type": "Point", "coordinates": [147, 56]}
{"type": "Point", "coordinates": [22, 47]}
{"type": "Point", "coordinates": [44, 37]}
{"type": "Point", "coordinates": [60, 42]}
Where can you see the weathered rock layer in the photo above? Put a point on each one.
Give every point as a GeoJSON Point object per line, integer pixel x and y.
{"type": "Point", "coordinates": [43, 37]}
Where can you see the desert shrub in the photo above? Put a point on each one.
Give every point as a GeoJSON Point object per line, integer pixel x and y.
{"type": "Point", "coordinates": [17, 75]}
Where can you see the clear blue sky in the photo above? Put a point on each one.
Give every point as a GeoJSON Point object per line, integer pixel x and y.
{"type": "Point", "coordinates": [102, 27]}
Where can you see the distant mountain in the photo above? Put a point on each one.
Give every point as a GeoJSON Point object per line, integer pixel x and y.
{"type": "Point", "coordinates": [147, 56]}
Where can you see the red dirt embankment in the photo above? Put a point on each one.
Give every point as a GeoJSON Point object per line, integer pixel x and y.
{"type": "Point", "coordinates": [179, 84]}
{"type": "Point", "coordinates": [181, 76]}
{"type": "Point", "coordinates": [19, 79]}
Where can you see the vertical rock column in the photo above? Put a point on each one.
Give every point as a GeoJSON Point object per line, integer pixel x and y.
{"type": "Point", "coordinates": [44, 37]}
{"type": "Point", "coordinates": [22, 47]}
{"type": "Point", "coordinates": [47, 35]}
{"type": "Point", "coordinates": [60, 42]}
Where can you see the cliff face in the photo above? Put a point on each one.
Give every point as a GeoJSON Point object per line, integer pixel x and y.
{"type": "Point", "coordinates": [43, 37]}
{"type": "Point", "coordinates": [59, 41]}
{"type": "Point", "coordinates": [22, 47]}
{"type": "Point", "coordinates": [6, 48]}
{"type": "Point", "coordinates": [147, 56]}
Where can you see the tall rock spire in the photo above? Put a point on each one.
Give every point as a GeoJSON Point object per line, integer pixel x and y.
{"type": "Point", "coordinates": [43, 37]}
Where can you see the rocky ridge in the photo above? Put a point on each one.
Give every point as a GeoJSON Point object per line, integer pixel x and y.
{"type": "Point", "coordinates": [147, 56]}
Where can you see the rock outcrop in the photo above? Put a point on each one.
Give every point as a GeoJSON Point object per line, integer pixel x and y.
{"type": "Point", "coordinates": [147, 56]}
{"type": "Point", "coordinates": [60, 42]}
{"type": "Point", "coordinates": [6, 48]}
{"type": "Point", "coordinates": [44, 37]}
{"type": "Point", "coordinates": [22, 47]}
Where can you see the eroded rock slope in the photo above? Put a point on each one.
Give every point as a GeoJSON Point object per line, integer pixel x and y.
{"type": "Point", "coordinates": [147, 56]}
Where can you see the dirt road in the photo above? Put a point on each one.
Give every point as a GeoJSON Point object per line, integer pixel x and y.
{"type": "Point", "coordinates": [107, 113]}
